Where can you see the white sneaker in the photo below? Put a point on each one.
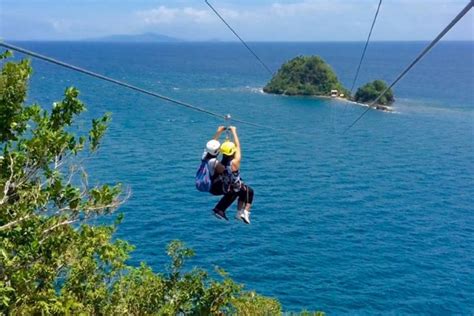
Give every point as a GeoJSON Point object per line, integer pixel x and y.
{"type": "Point", "coordinates": [239, 214]}
{"type": "Point", "coordinates": [245, 216]}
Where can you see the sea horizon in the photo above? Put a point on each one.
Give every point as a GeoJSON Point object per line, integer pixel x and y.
{"type": "Point", "coordinates": [182, 41]}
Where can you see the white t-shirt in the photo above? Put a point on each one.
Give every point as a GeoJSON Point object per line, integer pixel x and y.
{"type": "Point", "coordinates": [212, 163]}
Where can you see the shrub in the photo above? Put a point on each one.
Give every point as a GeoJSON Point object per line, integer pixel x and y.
{"type": "Point", "coordinates": [370, 91]}
{"type": "Point", "coordinates": [305, 75]}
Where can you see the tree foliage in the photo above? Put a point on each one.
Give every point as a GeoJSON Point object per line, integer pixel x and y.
{"type": "Point", "coordinates": [370, 91]}
{"type": "Point", "coordinates": [52, 260]}
{"type": "Point", "coordinates": [305, 75]}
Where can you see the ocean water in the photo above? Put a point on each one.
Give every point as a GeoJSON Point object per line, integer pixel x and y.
{"type": "Point", "coordinates": [376, 220]}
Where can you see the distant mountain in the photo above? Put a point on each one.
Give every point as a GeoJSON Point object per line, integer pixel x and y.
{"type": "Point", "coordinates": [136, 38]}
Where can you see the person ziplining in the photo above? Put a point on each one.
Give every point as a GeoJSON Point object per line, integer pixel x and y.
{"type": "Point", "coordinates": [226, 179]}
{"type": "Point", "coordinates": [223, 177]}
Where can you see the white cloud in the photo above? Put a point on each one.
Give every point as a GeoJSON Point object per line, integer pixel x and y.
{"type": "Point", "coordinates": [159, 15]}
{"type": "Point", "coordinates": [313, 20]}
{"type": "Point", "coordinates": [270, 20]}
{"type": "Point", "coordinates": [168, 15]}
{"type": "Point", "coordinates": [196, 15]}
{"type": "Point", "coordinates": [61, 25]}
{"type": "Point", "coordinates": [308, 7]}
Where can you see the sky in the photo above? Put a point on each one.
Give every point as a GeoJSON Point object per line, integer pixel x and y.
{"type": "Point", "coordinates": [257, 20]}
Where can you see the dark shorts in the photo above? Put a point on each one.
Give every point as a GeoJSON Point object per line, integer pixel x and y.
{"type": "Point", "coordinates": [245, 196]}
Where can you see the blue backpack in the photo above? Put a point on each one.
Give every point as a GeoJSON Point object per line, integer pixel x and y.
{"type": "Point", "coordinates": [203, 177]}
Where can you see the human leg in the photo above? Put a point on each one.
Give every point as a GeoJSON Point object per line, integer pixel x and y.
{"type": "Point", "coordinates": [245, 203]}
{"type": "Point", "coordinates": [223, 204]}
{"type": "Point", "coordinates": [249, 199]}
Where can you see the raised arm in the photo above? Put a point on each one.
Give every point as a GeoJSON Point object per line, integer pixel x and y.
{"type": "Point", "coordinates": [220, 130]}
{"type": "Point", "coordinates": [238, 151]}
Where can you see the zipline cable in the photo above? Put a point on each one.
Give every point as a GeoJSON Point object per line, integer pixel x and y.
{"type": "Point", "coordinates": [417, 59]}
{"type": "Point", "coordinates": [241, 40]}
{"type": "Point", "coordinates": [363, 52]}
{"type": "Point", "coordinates": [365, 47]}
{"type": "Point", "coordinates": [126, 85]}
{"type": "Point", "coordinates": [102, 77]}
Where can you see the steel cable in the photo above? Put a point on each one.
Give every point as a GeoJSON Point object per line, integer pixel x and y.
{"type": "Point", "coordinates": [241, 40]}
{"type": "Point", "coordinates": [417, 59]}
{"type": "Point", "coordinates": [126, 85]}
{"type": "Point", "coordinates": [365, 47]}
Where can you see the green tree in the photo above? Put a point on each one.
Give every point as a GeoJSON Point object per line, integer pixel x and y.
{"type": "Point", "coordinates": [305, 75]}
{"type": "Point", "coordinates": [52, 261]}
{"type": "Point", "coordinates": [370, 91]}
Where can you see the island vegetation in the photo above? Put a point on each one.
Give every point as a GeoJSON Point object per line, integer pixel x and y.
{"type": "Point", "coordinates": [306, 75]}
{"type": "Point", "coordinates": [370, 91]}
{"type": "Point", "coordinates": [312, 76]}
{"type": "Point", "coordinates": [53, 261]}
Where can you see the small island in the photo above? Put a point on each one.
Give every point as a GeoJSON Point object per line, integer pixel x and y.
{"type": "Point", "coordinates": [370, 91]}
{"type": "Point", "coordinates": [312, 76]}
{"type": "Point", "coordinates": [306, 75]}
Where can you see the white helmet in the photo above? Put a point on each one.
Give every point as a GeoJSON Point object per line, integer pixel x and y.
{"type": "Point", "coordinates": [212, 147]}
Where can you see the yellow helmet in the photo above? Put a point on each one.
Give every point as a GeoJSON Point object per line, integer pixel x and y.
{"type": "Point", "coordinates": [228, 148]}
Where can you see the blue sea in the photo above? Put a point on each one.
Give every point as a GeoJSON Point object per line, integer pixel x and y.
{"type": "Point", "coordinates": [378, 220]}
